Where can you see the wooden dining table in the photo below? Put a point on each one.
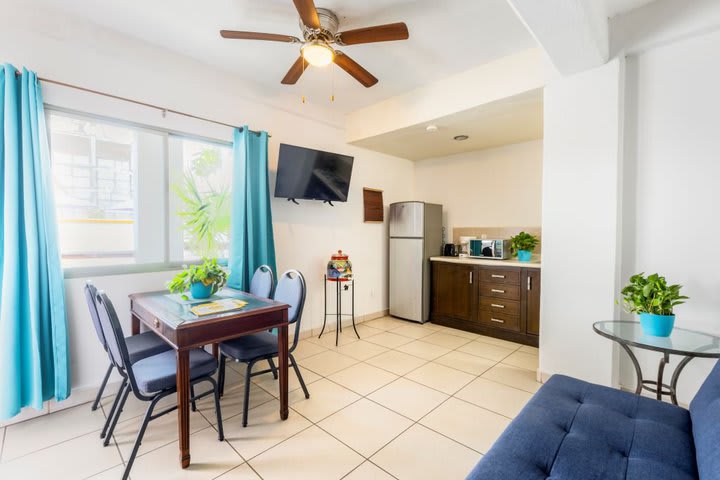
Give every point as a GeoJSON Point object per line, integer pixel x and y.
{"type": "Point", "coordinates": [169, 316]}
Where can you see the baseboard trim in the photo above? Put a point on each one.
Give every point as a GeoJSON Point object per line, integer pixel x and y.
{"type": "Point", "coordinates": [346, 322]}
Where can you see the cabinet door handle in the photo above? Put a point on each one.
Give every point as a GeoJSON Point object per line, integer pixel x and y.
{"type": "Point", "coordinates": [494, 290]}
{"type": "Point", "coordinates": [497, 276]}
{"type": "Point", "coordinates": [529, 283]}
{"type": "Point", "coordinates": [497, 305]}
{"type": "Point", "coordinates": [497, 320]}
{"type": "Point", "coordinates": [471, 279]}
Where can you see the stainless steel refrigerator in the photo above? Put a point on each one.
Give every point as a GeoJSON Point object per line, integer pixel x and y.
{"type": "Point", "coordinates": [415, 236]}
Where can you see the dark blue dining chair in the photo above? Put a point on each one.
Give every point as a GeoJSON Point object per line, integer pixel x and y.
{"type": "Point", "coordinates": [139, 346]}
{"type": "Point", "coordinates": [251, 349]}
{"type": "Point", "coordinates": [153, 378]}
{"type": "Point", "coordinates": [262, 283]}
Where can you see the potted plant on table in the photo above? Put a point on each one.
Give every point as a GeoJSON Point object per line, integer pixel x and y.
{"type": "Point", "coordinates": [654, 300]}
{"type": "Point", "coordinates": [523, 245]}
{"type": "Point", "coordinates": [203, 280]}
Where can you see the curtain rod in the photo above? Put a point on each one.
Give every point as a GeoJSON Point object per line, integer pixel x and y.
{"type": "Point", "coordinates": [137, 102]}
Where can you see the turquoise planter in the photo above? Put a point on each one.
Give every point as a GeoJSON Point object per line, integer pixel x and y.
{"type": "Point", "coordinates": [199, 291]}
{"type": "Point", "coordinates": [657, 325]}
{"type": "Point", "coordinates": [524, 255]}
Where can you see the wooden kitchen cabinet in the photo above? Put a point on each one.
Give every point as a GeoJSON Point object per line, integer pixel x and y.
{"type": "Point", "coordinates": [502, 301]}
{"type": "Point", "coordinates": [453, 291]}
{"type": "Point", "coordinates": [532, 303]}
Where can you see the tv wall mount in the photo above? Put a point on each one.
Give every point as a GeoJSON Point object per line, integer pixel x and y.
{"type": "Point", "coordinates": [296, 202]}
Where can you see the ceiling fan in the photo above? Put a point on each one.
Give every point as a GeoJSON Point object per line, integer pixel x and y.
{"type": "Point", "coordinates": [320, 31]}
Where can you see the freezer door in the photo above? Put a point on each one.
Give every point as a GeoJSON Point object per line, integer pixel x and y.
{"type": "Point", "coordinates": [407, 219]}
{"type": "Point", "coordinates": [406, 278]}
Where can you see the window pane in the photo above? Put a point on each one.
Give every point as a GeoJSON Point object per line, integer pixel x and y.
{"type": "Point", "coordinates": [95, 177]}
{"type": "Point", "coordinates": [200, 199]}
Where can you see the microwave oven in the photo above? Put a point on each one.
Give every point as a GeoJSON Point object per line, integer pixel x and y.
{"type": "Point", "coordinates": [495, 249]}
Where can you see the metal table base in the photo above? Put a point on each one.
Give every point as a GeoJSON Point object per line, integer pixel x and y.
{"type": "Point", "coordinates": [339, 287]}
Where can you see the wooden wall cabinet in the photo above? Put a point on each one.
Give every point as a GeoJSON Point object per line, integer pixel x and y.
{"type": "Point", "coordinates": [501, 302]}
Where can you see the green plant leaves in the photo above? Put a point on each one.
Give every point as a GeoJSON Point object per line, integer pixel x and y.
{"type": "Point", "coordinates": [523, 241]}
{"type": "Point", "coordinates": [651, 295]}
{"type": "Point", "coordinates": [208, 272]}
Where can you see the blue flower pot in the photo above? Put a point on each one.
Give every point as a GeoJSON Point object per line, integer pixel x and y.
{"type": "Point", "coordinates": [657, 325]}
{"type": "Point", "coordinates": [199, 290]}
{"type": "Point", "coordinates": [524, 255]}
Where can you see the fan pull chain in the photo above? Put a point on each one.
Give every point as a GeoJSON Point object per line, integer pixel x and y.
{"type": "Point", "coordinates": [302, 82]}
{"type": "Point", "coordinates": [332, 82]}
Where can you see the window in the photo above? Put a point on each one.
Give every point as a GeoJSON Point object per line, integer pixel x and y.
{"type": "Point", "coordinates": [127, 195]}
{"type": "Point", "coordinates": [200, 198]}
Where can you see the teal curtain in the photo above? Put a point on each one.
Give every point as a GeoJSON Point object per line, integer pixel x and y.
{"type": "Point", "coordinates": [34, 362]}
{"type": "Point", "coordinates": [251, 230]}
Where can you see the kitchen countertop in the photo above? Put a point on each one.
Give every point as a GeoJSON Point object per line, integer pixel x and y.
{"type": "Point", "coordinates": [533, 263]}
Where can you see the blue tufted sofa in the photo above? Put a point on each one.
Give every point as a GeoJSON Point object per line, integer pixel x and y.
{"type": "Point", "coordinates": [574, 430]}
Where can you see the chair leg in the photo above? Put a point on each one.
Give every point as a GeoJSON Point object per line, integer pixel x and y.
{"type": "Point", "coordinates": [138, 440]}
{"type": "Point", "coordinates": [115, 419]}
{"type": "Point", "coordinates": [218, 414]}
{"type": "Point", "coordinates": [273, 368]}
{"type": "Point", "coordinates": [98, 397]}
{"type": "Point", "coordinates": [221, 375]}
{"type": "Point", "coordinates": [299, 375]}
{"type": "Point", "coordinates": [193, 407]}
{"type": "Point", "coordinates": [247, 393]}
{"type": "Point", "coordinates": [111, 413]}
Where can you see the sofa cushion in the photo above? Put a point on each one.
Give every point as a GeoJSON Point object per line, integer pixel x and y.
{"type": "Point", "coordinates": [705, 414]}
{"type": "Point", "coordinates": [572, 430]}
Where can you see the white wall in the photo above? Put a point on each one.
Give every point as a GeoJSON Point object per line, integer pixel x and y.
{"type": "Point", "coordinates": [672, 193]}
{"type": "Point", "coordinates": [65, 49]}
{"type": "Point", "coordinates": [497, 187]}
{"type": "Point", "coordinates": [580, 221]}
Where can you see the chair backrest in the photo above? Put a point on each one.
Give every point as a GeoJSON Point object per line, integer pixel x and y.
{"type": "Point", "coordinates": [705, 417]}
{"type": "Point", "coordinates": [114, 336]}
{"type": "Point", "coordinates": [263, 282]}
{"type": "Point", "coordinates": [90, 294]}
{"type": "Point", "coordinates": [291, 290]}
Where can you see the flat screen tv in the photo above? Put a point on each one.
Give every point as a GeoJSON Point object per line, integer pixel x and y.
{"type": "Point", "coordinates": [312, 174]}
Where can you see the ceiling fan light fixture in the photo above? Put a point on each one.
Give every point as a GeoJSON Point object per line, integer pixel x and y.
{"type": "Point", "coordinates": [317, 53]}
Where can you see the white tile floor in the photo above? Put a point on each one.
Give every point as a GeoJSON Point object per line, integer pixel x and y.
{"type": "Point", "coordinates": [408, 401]}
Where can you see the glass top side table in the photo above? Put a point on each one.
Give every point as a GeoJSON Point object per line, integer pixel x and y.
{"type": "Point", "coordinates": [687, 343]}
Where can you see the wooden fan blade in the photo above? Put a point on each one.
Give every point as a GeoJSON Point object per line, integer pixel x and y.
{"type": "Point", "coordinates": [308, 13]}
{"type": "Point", "coordinates": [258, 36]}
{"type": "Point", "coordinates": [354, 69]}
{"type": "Point", "coordinates": [379, 33]}
{"type": "Point", "coordinates": [297, 69]}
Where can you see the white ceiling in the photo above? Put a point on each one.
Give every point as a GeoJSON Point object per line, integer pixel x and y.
{"type": "Point", "coordinates": [618, 7]}
{"type": "Point", "coordinates": [446, 37]}
{"type": "Point", "coordinates": [511, 120]}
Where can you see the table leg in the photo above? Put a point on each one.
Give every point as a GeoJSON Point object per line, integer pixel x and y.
{"type": "Point", "coordinates": [215, 351]}
{"type": "Point", "coordinates": [134, 325]}
{"type": "Point", "coordinates": [638, 372]}
{"type": "Point", "coordinates": [661, 370]}
{"type": "Point", "coordinates": [183, 401]}
{"type": "Point", "coordinates": [283, 368]}
{"type": "Point", "coordinates": [675, 377]}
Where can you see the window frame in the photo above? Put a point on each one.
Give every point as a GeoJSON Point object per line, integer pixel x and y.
{"type": "Point", "coordinates": [166, 264]}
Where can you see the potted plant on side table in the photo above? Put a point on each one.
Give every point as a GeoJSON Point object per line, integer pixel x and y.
{"type": "Point", "coordinates": [654, 300]}
{"type": "Point", "coordinates": [202, 280]}
{"type": "Point", "coordinates": [523, 245]}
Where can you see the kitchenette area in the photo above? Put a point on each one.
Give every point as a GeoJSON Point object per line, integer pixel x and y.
{"type": "Point", "coordinates": [476, 282]}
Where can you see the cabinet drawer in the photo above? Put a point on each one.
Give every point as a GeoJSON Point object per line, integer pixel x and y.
{"type": "Point", "coordinates": [497, 275]}
{"type": "Point", "coordinates": [499, 290]}
{"type": "Point", "coordinates": [500, 305]}
{"type": "Point", "coordinates": [500, 320]}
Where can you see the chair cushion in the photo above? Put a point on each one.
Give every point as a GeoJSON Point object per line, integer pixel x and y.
{"type": "Point", "coordinates": [705, 414]}
{"type": "Point", "coordinates": [572, 430]}
{"type": "Point", "coordinates": [158, 372]}
{"type": "Point", "coordinates": [145, 345]}
{"type": "Point", "coordinates": [249, 347]}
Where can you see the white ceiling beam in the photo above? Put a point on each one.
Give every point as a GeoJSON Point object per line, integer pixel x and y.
{"type": "Point", "coordinates": [574, 33]}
